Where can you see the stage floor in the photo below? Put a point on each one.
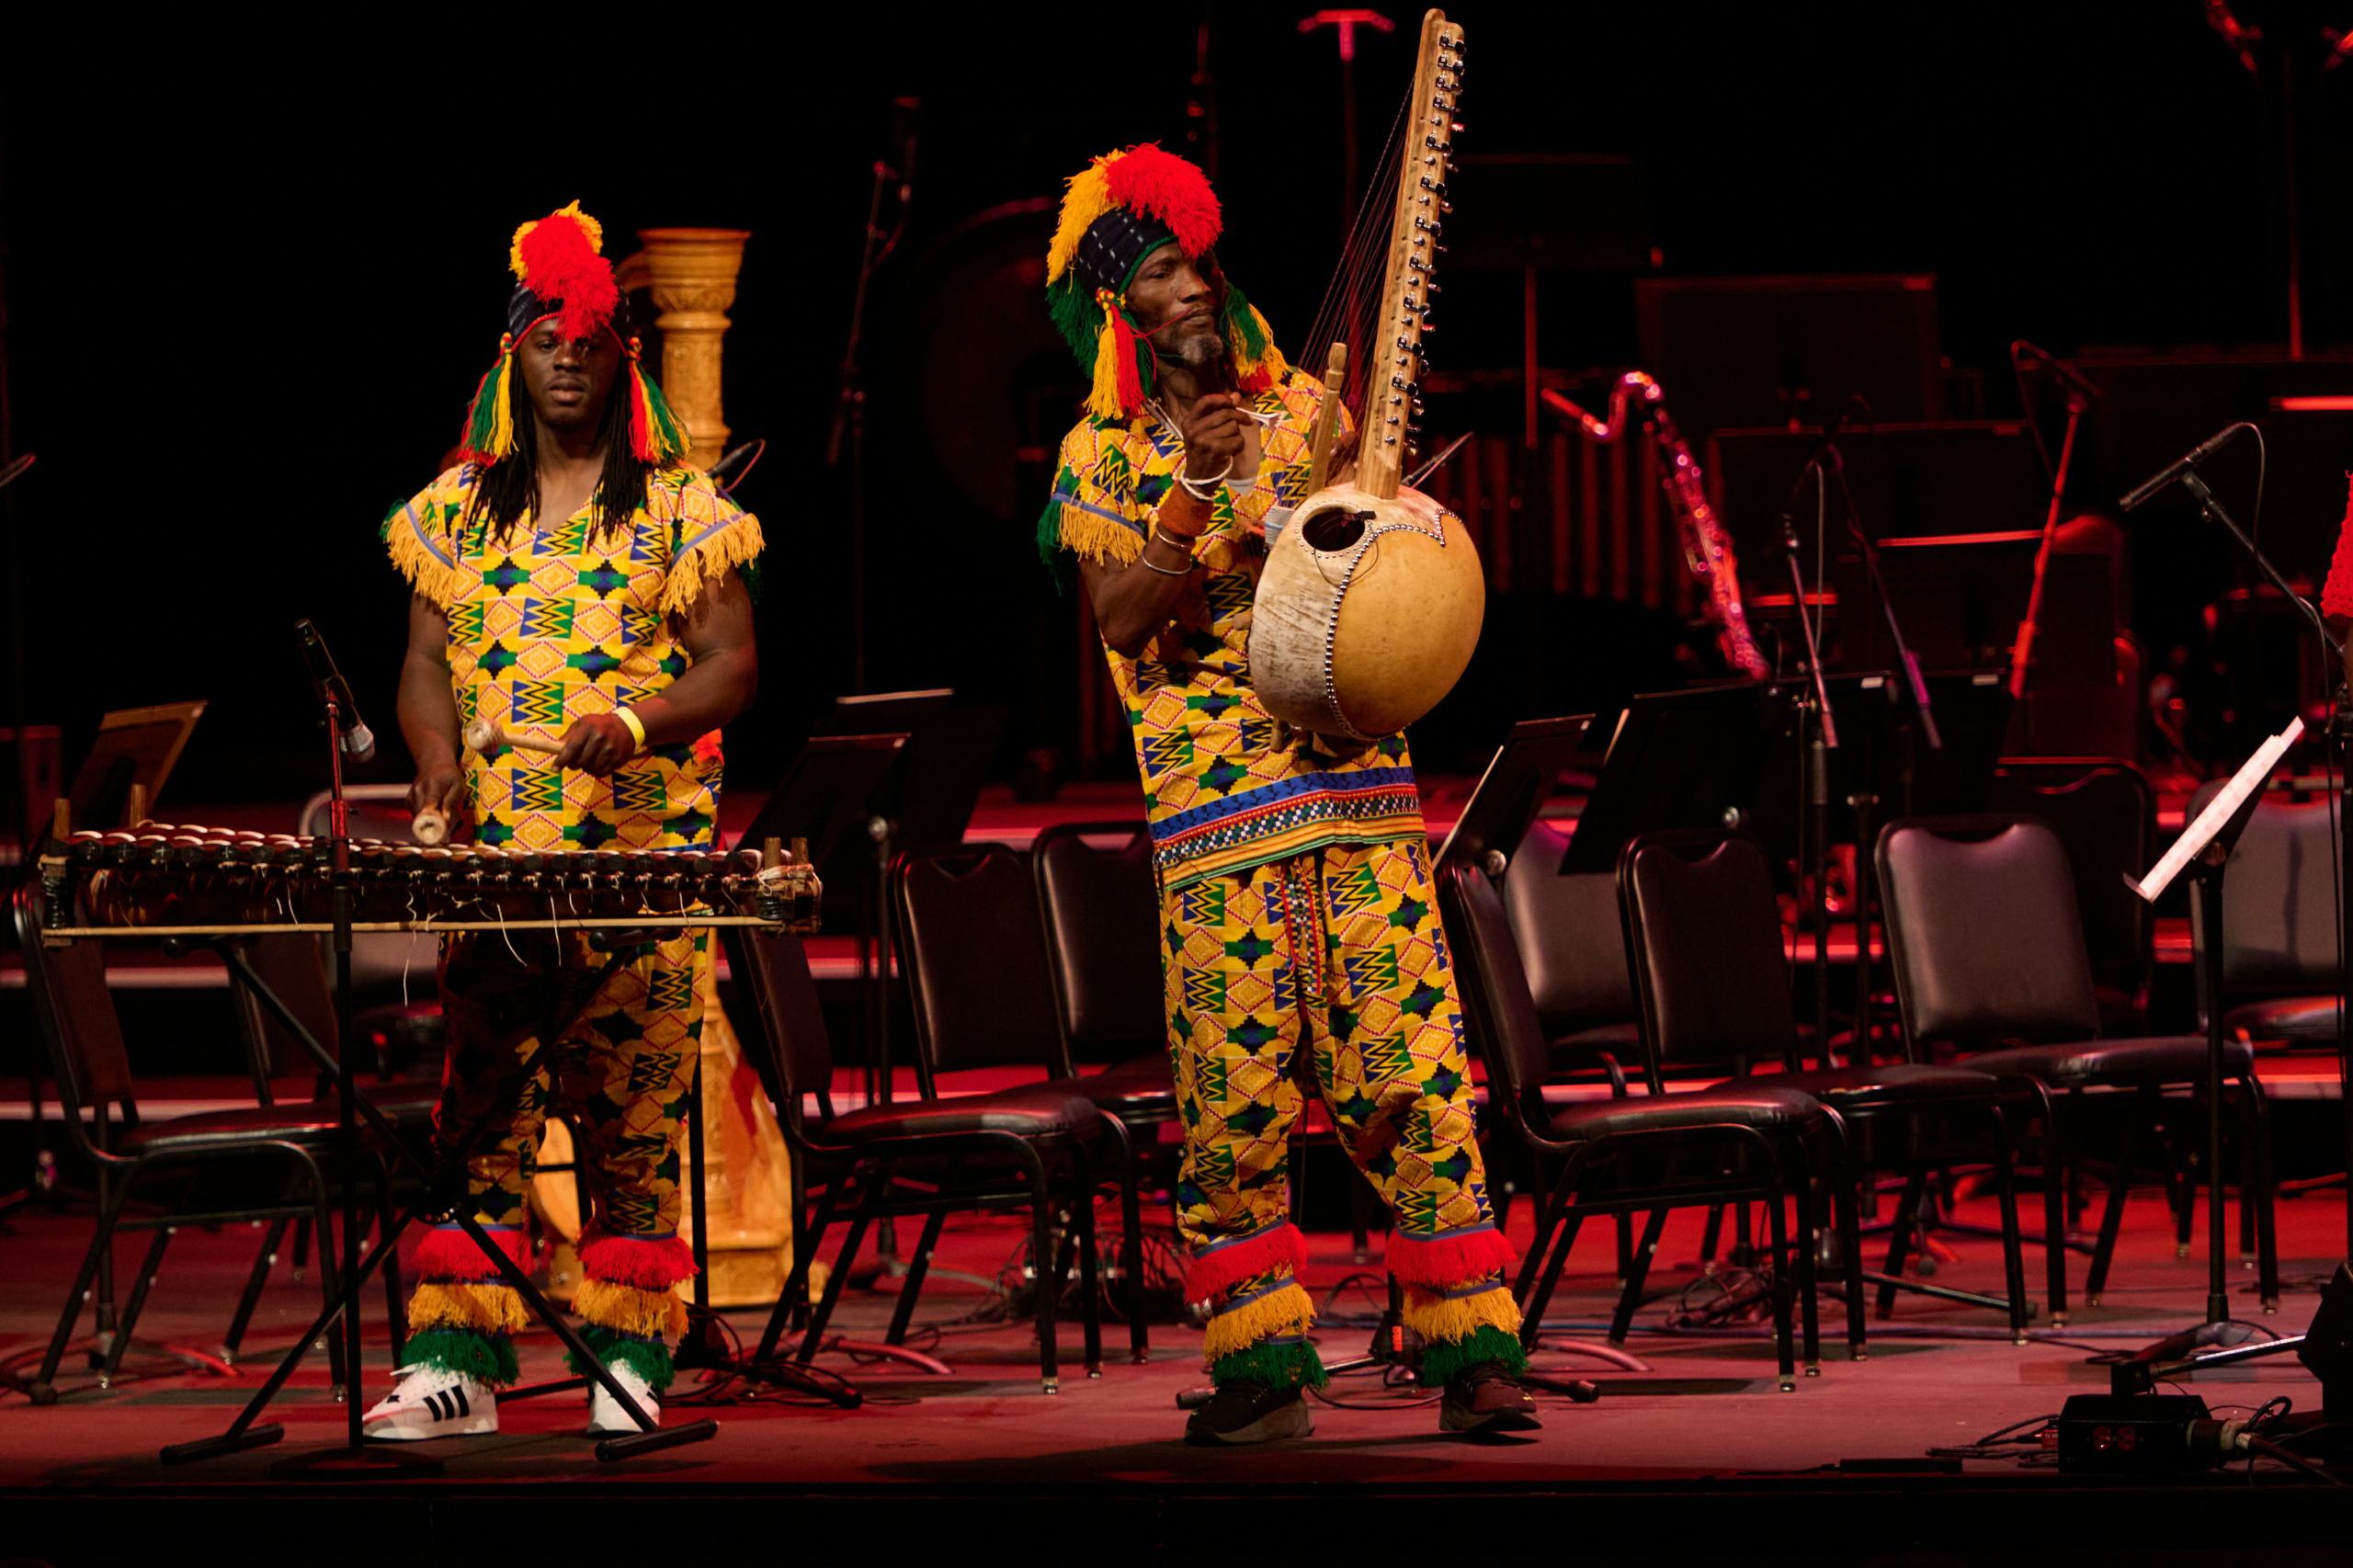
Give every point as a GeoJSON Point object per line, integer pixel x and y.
{"type": "Point", "coordinates": [1703, 1428]}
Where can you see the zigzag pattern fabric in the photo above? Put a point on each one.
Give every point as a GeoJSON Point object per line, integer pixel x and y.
{"type": "Point", "coordinates": [1338, 952]}
{"type": "Point", "coordinates": [620, 1077]}
{"type": "Point", "coordinates": [1228, 787]}
{"type": "Point", "coordinates": [552, 624]}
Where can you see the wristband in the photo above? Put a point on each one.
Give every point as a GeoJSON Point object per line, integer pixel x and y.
{"type": "Point", "coordinates": [636, 726]}
{"type": "Point", "coordinates": [1161, 518]}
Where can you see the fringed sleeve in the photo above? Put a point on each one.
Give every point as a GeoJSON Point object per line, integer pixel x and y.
{"type": "Point", "coordinates": [421, 534]}
{"type": "Point", "coordinates": [710, 535]}
{"type": "Point", "coordinates": [2337, 594]}
{"type": "Point", "coordinates": [1094, 512]}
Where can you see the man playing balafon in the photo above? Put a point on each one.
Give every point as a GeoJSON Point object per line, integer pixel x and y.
{"type": "Point", "coordinates": [572, 581]}
{"type": "Point", "coordinates": [1296, 906]}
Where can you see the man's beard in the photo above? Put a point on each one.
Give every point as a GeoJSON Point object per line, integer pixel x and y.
{"type": "Point", "coordinates": [1200, 352]}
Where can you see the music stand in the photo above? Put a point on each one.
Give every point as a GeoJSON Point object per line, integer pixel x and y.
{"type": "Point", "coordinates": [135, 752]}
{"type": "Point", "coordinates": [1512, 791]}
{"type": "Point", "coordinates": [829, 786]}
{"type": "Point", "coordinates": [928, 799]}
{"type": "Point", "coordinates": [1679, 759]}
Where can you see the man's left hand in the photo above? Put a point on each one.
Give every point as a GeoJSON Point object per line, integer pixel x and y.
{"type": "Point", "coordinates": [597, 744]}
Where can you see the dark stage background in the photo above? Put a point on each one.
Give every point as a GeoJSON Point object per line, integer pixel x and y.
{"type": "Point", "coordinates": [253, 274]}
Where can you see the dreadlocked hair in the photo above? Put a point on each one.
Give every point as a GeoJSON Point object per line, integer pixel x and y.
{"type": "Point", "coordinates": [511, 487]}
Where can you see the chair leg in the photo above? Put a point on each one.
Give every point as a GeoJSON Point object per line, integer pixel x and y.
{"type": "Point", "coordinates": [1548, 1219]}
{"type": "Point", "coordinates": [1845, 1203]}
{"type": "Point", "coordinates": [101, 1244]}
{"type": "Point", "coordinates": [302, 1248]}
{"type": "Point", "coordinates": [911, 1283]}
{"type": "Point", "coordinates": [1776, 1235]}
{"type": "Point", "coordinates": [1711, 1233]}
{"type": "Point", "coordinates": [2013, 1251]}
{"type": "Point", "coordinates": [1042, 1247]}
{"type": "Point", "coordinates": [1131, 1243]}
{"type": "Point", "coordinates": [2185, 1216]}
{"type": "Point", "coordinates": [1907, 1221]}
{"type": "Point", "coordinates": [878, 1185]}
{"type": "Point", "coordinates": [1531, 1316]}
{"type": "Point", "coordinates": [1090, 1274]}
{"type": "Point", "coordinates": [1631, 1296]}
{"type": "Point", "coordinates": [342, 1377]}
{"type": "Point", "coordinates": [2054, 1209]}
{"type": "Point", "coordinates": [2261, 1196]}
{"type": "Point", "coordinates": [253, 1283]}
{"type": "Point", "coordinates": [2112, 1218]}
{"type": "Point", "coordinates": [806, 1246]}
{"type": "Point", "coordinates": [130, 1309]}
{"type": "Point", "coordinates": [1799, 1188]}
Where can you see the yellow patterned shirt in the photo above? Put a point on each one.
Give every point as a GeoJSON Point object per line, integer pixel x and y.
{"type": "Point", "coordinates": [551, 625]}
{"type": "Point", "coordinates": [1228, 787]}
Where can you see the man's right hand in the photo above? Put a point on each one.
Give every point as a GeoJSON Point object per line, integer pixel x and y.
{"type": "Point", "coordinates": [1212, 434]}
{"type": "Point", "coordinates": [443, 785]}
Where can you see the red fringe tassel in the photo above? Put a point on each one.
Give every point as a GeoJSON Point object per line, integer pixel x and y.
{"type": "Point", "coordinates": [1436, 1261]}
{"type": "Point", "coordinates": [1213, 1271]}
{"type": "Point", "coordinates": [1130, 380]}
{"type": "Point", "coordinates": [450, 1254]}
{"type": "Point", "coordinates": [647, 1263]}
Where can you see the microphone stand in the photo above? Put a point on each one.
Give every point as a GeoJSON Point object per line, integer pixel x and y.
{"type": "Point", "coordinates": [2022, 651]}
{"type": "Point", "coordinates": [2209, 872]}
{"type": "Point", "coordinates": [1817, 738]}
{"type": "Point", "coordinates": [1864, 798]}
{"type": "Point", "coordinates": [849, 409]}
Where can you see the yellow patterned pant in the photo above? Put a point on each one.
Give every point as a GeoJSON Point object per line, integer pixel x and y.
{"type": "Point", "coordinates": [621, 1074]}
{"type": "Point", "coordinates": [1339, 952]}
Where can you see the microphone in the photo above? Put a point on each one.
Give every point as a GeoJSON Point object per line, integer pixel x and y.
{"type": "Point", "coordinates": [357, 741]}
{"type": "Point", "coordinates": [2182, 465]}
{"type": "Point", "coordinates": [2048, 361]}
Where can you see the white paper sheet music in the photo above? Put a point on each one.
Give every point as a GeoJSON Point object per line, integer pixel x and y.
{"type": "Point", "coordinates": [2199, 834]}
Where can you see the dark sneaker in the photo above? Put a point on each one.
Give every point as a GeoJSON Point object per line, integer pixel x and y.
{"type": "Point", "coordinates": [1486, 1399]}
{"type": "Point", "coordinates": [1247, 1411]}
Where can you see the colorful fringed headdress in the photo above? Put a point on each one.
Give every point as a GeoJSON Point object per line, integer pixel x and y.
{"type": "Point", "coordinates": [1119, 210]}
{"type": "Point", "coordinates": [563, 272]}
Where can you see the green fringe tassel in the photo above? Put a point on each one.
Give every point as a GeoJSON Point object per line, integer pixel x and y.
{"type": "Point", "coordinates": [669, 435]}
{"type": "Point", "coordinates": [1443, 1360]}
{"type": "Point", "coordinates": [1076, 316]}
{"type": "Point", "coordinates": [1241, 325]}
{"type": "Point", "coordinates": [482, 418]}
{"type": "Point", "coordinates": [650, 1359]}
{"type": "Point", "coordinates": [392, 514]}
{"type": "Point", "coordinates": [1276, 1365]}
{"type": "Point", "coordinates": [489, 1357]}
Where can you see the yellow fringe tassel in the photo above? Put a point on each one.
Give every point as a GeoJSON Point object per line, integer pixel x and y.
{"type": "Point", "coordinates": [491, 1309]}
{"type": "Point", "coordinates": [1093, 538]}
{"type": "Point", "coordinates": [502, 411]}
{"type": "Point", "coordinates": [706, 563]}
{"type": "Point", "coordinates": [1103, 400]}
{"type": "Point", "coordinates": [425, 574]}
{"type": "Point", "coordinates": [1088, 198]}
{"type": "Point", "coordinates": [1434, 1317]}
{"type": "Point", "coordinates": [1286, 1311]}
{"type": "Point", "coordinates": [651, 1315]}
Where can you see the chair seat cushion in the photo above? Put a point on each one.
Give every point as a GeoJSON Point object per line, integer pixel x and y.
{"type": "Point", "coordinates": [2166, 1059]}
{"type": "Point", "coordinates": [1889, 1083]}
{"type": "Point", "coordinates": [1028, 1112]}
{"type": "Point", "coordinates": [309, 1121]}
{"type": "Point", "coordinates": [1141, 1090]}
{"type": "Point", "coordinates": [2285, 1017]}
{"type": "Point", "coordinates": [407, 1103]}
{"type": "Point", "coordinates": [1766, 1109]}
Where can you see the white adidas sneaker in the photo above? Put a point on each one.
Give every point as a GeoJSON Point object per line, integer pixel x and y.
{"type": "Point", "coordinates": [432, 1402]}
{"type": "Point", "coordinates": [606, 1416]}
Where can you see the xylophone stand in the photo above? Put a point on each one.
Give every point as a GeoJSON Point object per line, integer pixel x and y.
{"type": "Point", "coordinates": [443, 1181]}
{"type": "Point", "coordinates": [446, 1189]}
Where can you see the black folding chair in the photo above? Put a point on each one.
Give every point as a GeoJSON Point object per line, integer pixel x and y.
{"type": "Point", "coordinates": [75, 1016]}
{"type": "Point", "coordinates": [2104, 812]}
{"type": "Point", "coordinates": [1988, 950]}
{"type": "Point", "coordinates": [1774, 1127]}
{"type": "Point", "coordinates": [1703, 938]}
{"type": "Point", "coordinates": [961, 1155]}
{"type": "Point", "coordinates": [976, 956]}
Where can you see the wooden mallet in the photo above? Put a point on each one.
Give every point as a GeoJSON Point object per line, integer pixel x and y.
{"type": "Point", "coordinates": [485, 736]}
